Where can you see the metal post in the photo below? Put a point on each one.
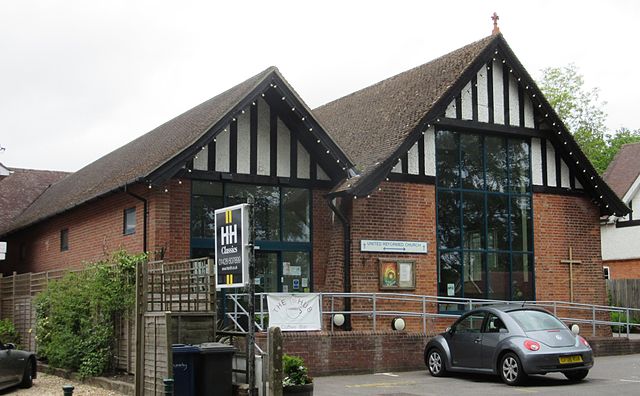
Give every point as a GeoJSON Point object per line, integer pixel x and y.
{"type": "Point", "coordinates": [333, 310]}
{"type": "Point", "coordinates": [251, 336]}
{"type": "Point", "coordinates": [424, 314]}
{"type": "Point", "coordinates": [627, 322]}
{"type": "Point", "coordinates": [168, 386]}
{"type": "Point", "coordinates": [374, 312]}
{"type": "Point", "coordinates": [593, 320]}
{"type": "Point", "coordinates": [67, 390]}
{"type": "Point", "coordinates": [555, 308]}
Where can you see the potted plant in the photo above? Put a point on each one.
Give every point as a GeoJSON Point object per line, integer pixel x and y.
{"type": "Point", "coordinates": [296, 380]}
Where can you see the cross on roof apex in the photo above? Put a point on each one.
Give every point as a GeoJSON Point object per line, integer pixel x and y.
{"type": "Point", "coordinates": [496, 29]}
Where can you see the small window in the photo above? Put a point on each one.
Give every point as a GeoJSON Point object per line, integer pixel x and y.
{"type": "Point", "coordinates": [129, 221]}
{"type": "Point", "coordinates": [495, 325]}
{"type": "Point", "coordinates": [64, 240]}
{"type": "Point", "coordinates": [606, 271]}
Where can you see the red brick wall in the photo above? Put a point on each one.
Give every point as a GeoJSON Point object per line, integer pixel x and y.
{"type": "Point", "coordinates": [397, 211]}
{"type": "Point", "coordinates": [322, 226]}
{"type": "Point", "coordinates": [623, 269]}
{"type": "Point", "coordinates": [95, 231]}
{"type": "Point", "coordinates": [561, 222]}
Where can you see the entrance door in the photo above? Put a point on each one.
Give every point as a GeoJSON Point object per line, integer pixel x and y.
{"type": "Point", "coordinates": [267, 272]}
{"type": "Point", "coordinates": [296, 272]}
{"type": "Point", "coordinates": [287, 272]}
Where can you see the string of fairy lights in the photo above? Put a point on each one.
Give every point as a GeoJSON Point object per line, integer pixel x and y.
{"type": "Point", "coordinates": [530, 91]}
{"type": "Point", "coordinates": [307, 125]}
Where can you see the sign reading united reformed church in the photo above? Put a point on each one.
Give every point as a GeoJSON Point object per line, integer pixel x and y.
{"type": "Point", "coordinates": [232, 250]}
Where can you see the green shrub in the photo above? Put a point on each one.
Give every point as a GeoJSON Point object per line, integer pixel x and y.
{"type": "Point", "coordinates": [75, 316]}
{"type": "Point", "coordinates": [8, 332]}
{"type": "Point", "coordinates": [294, 371]}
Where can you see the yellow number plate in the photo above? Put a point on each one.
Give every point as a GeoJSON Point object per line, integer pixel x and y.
{"type": "Point", "coordinates": [570, 359]}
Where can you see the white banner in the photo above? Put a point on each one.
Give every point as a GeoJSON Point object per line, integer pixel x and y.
{"type": "Point", "coordinates": [294, 311]}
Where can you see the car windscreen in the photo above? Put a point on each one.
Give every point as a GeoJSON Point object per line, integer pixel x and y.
{"type": "Point", "coordinates": [531, 320]}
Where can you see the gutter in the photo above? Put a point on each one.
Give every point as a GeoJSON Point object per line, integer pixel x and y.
{"type": "Point", "coordinates": [144, 217]}
{"type": "Point", "coordinates": [346, 280]}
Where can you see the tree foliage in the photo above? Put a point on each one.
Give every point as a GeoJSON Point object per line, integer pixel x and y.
{"type": "Point", "coordinates": [75, 316]}
{"type": "Point", "coordinates": [583, 113]}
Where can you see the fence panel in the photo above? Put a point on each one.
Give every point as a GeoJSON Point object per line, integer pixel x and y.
{"type": "Point", "coordinates": [625, 293]}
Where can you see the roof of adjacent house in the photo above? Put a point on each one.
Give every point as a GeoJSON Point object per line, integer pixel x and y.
{"type": "Point", "coordinates": [624, 169]}
{"type": "Point", "coordinates": [389, 111]}
{"type": "Point", "coordinates": [20, 188]}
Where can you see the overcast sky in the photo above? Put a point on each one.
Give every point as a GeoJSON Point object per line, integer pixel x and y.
{"type": "Point", "coordinates": [79, 79]}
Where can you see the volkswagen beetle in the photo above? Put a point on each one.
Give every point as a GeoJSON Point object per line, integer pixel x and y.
{"type": "Point", "coordinates": [511, 341]}
{"type": "Point", "coordinates": [16, 367]}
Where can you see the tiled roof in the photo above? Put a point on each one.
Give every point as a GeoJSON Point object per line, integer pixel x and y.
{"type": "Point", "coordinates": [624, 169]}
{"type": "Point", "coordinates": [21, 188]}
{"type": "Point", "coordinates": [372, 124]}
{"type": "Point", "coordinates": [137, 159]}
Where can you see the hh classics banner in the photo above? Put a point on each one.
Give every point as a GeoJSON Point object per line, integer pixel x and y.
{"type": "Point", "coordinates": [232, 250]}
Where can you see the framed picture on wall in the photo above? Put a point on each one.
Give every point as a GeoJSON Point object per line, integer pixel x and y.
{"type": "Point", "coordinates": [397, 274]}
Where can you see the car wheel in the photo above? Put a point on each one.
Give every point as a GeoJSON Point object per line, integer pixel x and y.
{"type": "Point", "coordinates": [577, 375]}
{"type": "Point", "coordinates": [435, 362]}
{"type": "Point", "coordinates": [27, 376]}
{"type": "Point", "coordinates": [511, 370]}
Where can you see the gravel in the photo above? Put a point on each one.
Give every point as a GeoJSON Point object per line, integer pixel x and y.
{"type": "Point", "coordinates": [47, 384]}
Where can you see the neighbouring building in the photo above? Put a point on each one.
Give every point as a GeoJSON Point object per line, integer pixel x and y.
{"type": "Point", "coordinates": [620, 234]}
{"type": "Point", "coordinates": [455, 178]}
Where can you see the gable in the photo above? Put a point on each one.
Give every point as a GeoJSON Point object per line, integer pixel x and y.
{"type": "Point", "coordinates": [259, 143]}
{"type": "Point", "coordinates": [496, 95]}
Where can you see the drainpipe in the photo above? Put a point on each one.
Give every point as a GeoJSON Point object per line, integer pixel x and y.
{"type": "Point", "coordinates": [347, 260]}
{"type": "Point", "coordinates": [144, 217]}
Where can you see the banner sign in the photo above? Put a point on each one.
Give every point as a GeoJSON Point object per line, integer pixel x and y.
{"type": "Point", "coordinates": [393, 246]}
{"type": "Point", "coordinates": [295, 311]}
{"type": "Point", "coordinates": [232, 250]}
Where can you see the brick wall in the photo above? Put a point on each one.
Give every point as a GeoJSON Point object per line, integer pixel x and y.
{"type": "Point", "coordinates": [374, 352]}
{"type": "Point", "coordinates": [96, 230]}
{"type": "Point", "coordinates": [396, 211]}
{"type": "Point", "coordinates": [561, 222]}
{"type": "Point", "coordinates": [623, 269]}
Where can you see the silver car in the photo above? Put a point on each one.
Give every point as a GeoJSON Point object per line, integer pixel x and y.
{"type": "Point", "coordinates": [512, 341]}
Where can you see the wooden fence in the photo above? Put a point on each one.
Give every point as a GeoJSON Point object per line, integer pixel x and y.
{"type": "Point", "coordinates": [17, 292]}
{"type": "Point", "coordinates": [175, 303]}
{"type": "Point", "coordinates": [625, 293]}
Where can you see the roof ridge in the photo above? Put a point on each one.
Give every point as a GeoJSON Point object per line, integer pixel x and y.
{"type": "Point", "coordinates": [407, 71]}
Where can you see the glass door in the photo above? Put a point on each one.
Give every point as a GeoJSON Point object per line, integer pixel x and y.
{"type": "Point", "coordinates": [296, 272]}
{"type": "Point", "coordinates": [266, 272]}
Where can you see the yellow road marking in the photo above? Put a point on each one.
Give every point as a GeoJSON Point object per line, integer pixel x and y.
{"type": "Point", "coordinates": [526, 390]}
{"type": "Point", "coordinates": [382, 384]}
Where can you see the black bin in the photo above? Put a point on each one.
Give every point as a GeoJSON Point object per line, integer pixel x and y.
{"type": "Point", "coordinates": [214, 374]}
{"type": "Point", "coordinates": [186, 360]}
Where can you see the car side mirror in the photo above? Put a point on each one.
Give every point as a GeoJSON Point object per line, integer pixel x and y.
{"type": "Point", "coordinates": [450, 330]}
{"type": "Point", "coordinates": [10, 345]}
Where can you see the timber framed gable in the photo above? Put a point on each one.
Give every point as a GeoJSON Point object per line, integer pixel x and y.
{"type": "Point", "coordinates": [269, 137]}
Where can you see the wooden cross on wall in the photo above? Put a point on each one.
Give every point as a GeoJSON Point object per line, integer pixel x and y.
{"type": "Point", "coordinates": [571, 261]}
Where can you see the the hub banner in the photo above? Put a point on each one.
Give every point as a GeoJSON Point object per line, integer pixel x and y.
{"type": "Point", "coordinates": [295, 311]}
{"type": "Point", "coordinates": [232, 246]}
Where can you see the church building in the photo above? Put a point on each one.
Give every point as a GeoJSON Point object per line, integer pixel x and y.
{"type": "Point", "coordinates": [455, 178]}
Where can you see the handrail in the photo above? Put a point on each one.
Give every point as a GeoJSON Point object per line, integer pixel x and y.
{"type": "Point", "coordinates": [418, 306]}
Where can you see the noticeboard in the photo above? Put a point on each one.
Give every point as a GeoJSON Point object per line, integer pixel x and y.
{"type": "Point", "coordinates": [232, 246]}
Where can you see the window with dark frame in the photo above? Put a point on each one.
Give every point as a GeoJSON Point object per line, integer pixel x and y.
{"type": "Point", "coordinates": [64, 239]}
{"type": "Point", "coordinates": [129, 226]}
{"type": "Point", "coordinates": [484, 220]}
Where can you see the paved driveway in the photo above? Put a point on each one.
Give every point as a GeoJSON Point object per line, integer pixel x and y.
{"type": "Point", "coordinates": [611, 375]}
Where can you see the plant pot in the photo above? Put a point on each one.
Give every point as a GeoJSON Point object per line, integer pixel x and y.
{"type": "Point", "coordinates": [298, 390]}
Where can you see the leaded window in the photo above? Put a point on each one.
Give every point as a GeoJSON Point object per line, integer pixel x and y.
{"type": "Point", "coordinates": [484, 216]}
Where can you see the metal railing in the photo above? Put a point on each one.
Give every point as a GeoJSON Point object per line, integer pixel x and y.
{"type": "Point", "coordinates": [382, 306]}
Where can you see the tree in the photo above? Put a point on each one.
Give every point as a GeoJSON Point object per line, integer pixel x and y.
{"type": "Point", "coordinates": [580, 109]}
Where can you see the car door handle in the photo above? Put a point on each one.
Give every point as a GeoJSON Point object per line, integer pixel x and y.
{"type": "Point", "coordinates": [477, 340]}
